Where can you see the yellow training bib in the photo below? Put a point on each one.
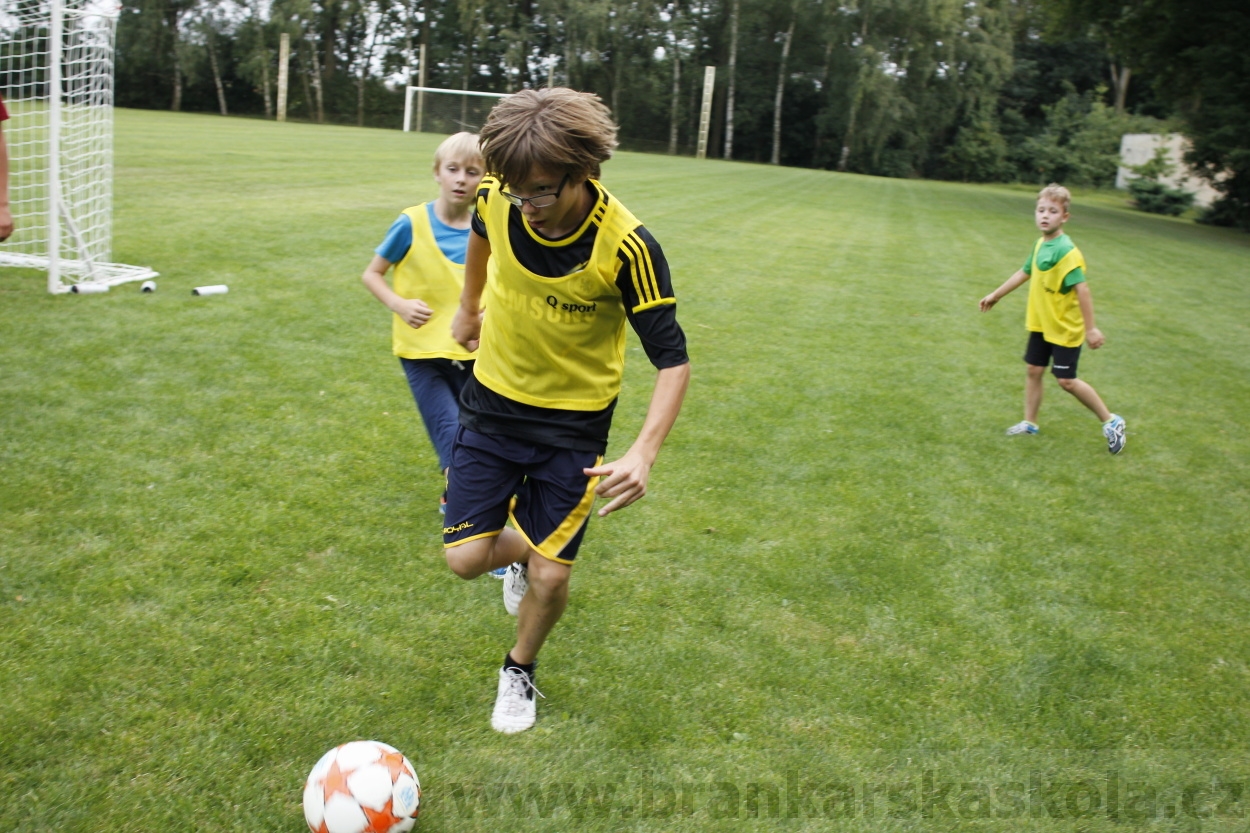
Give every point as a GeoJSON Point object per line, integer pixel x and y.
{"type": "Point", "coordinates": [1052, 312]}
{"type": "Point", "coordinates": [426, 273]}
{"type": "Point", "coordinates": [555, 342]}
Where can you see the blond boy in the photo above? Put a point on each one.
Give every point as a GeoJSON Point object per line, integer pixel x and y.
{"type": "Point", "coordinates": [1060, 317]}
{"type": "Point", "coordinates": [427, 246]}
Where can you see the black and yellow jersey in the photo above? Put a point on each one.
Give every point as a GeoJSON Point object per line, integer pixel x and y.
{"type": "Point", "coordinates": [549, 366]}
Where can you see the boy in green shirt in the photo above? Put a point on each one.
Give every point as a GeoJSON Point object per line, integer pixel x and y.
{"type": "Point", "coordinates": [1060, 317]}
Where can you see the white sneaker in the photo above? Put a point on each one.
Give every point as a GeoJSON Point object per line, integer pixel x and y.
{"type": "Point", "coordinates": [515, 583]}
{"type": "Point", "coordinates": [1022, 427]}
{"type": "Point", "coordinates": [515, 707]}
{"type": "Point", "coordinates": [1113, 430]}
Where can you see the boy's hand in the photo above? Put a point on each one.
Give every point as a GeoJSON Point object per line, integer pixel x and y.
{"type": "Point", "coordinates": [466, 328]}
{"type": "Point", "coordinates": [1094, 338]}
{"type": "Point", "coordinates": [413, 311]}
{"type": "Point", "coordinates": [988, 302]}
{"type": "Point", "coordinates": [624, 480]}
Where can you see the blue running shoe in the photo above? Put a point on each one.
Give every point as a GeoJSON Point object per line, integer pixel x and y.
{"type": "Point", "coordinates": [1022, 427]}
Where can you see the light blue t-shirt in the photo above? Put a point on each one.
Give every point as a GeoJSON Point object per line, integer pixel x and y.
{"type": "Point", "coordinates": [452, 241]}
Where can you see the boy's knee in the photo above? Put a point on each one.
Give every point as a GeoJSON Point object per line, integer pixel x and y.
{"type": "Point", "coordinates": [1067, 384]}
{"type": "Point", "coordinates": [464, 562]}
{"type": "Point", "coordinates": [546, 577]}
{"type": "Point", "coordinates": [1035, 371]}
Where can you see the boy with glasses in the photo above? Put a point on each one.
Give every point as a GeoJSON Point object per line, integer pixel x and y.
{"type": "Point", "coordinates": [556, 267]}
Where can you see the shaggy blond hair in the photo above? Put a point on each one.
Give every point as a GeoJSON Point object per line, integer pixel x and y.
{"type": "Point", "coordinates": [554, 128]}
{"type": "Point", "coordinates": [1056, 193]}
{"type": "Point", "coordinates": [462, 147]}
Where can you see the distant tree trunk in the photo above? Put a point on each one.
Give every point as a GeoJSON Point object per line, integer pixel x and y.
{"type": "Point", "coordinates": [1120, 76]}
{"type": "Point", "coordinates": [264, 82]}
{"type": "Point", "coordinates": [781, 90]}
{"type": "Point", "coordinates": [849, 137]}
{"type": "Point", "coordinates": [470, 40]}
{"type": "Point", "coordinates": [464, 85]}
{"type": "Point", "coordinates": [824, 79]}
{"type": "Point", "coordinates": [364, 71]}
{"type": "Point", "coordinates": [733, 64]}
{"type": "Point", "coordinates": [212, 62]}
{"type": "Point", "coordinates": [331, 21]}
{"type": "Point", "coordinates": [616, 84]}
{"type": "Point", "coordinates": [316, 82]}
{"type": "Point", "coordinates": [173, 21]}
{"type": "Point", "coordinates": [424, 7]}
{"type": "Point", "coordinates": [857, 94]}
{"type": "Point", "coordinates": [262, 56]}
{"type": "Point", "coordinates": [304, 75]}
{"type": "Point", "coordinates": [176, 104]}
{"type": "Point", "coordinates": [675, 107]}
{"type": "Point", "coordinates": [411, 51]}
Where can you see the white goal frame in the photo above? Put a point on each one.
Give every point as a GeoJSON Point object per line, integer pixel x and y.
{"type": "Point", "coordinates": [56, 75]}
{"type": "Point", "coordinates": [419, 93]}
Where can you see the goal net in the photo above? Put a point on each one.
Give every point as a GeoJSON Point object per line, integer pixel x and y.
{"type": "Point", "coordinates": [56, 76]}
{"type": "Point", "coordinates": [434, 110]}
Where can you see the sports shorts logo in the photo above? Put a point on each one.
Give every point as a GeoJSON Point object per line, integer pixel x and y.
{"type": "Point", "coordinates": [1062, 366]}
{"type": "Point", "coordinates": [452, 530]}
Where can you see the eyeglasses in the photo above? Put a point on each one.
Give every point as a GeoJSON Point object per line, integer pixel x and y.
{"type": "Point", "coordinates": [540, 201]}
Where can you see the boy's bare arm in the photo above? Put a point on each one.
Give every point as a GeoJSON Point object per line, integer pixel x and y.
{"type": "Point", "coordinates": [625, 479]}
{"type": "Point", "coordinates": [466, 327]}
{"type": "Point", "coordinates": [413, 311]}
{"type": "Point", "coordinates": [1093, 336]}
{"type": "Point", "coordinates": [988, 302]}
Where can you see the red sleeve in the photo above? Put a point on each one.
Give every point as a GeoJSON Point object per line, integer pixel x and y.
{"type": "Point", "coordinates": [4, 111]}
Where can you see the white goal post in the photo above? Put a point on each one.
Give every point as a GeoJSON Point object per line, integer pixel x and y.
{"type": "Point", "coordinates": [56, 76]}
{"type": "Point", "coordinates": [449, 111]}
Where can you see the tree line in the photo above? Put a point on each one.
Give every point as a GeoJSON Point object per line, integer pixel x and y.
{"type": "Point", "coordinates": [971, 90]}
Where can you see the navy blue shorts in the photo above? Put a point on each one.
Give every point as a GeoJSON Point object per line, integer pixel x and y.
{"type": "Point", "coordinates": [436, 386]}
{"type": "Point", "coordinates": [1062, 360]}
{"type": "Point", "coordinates": [540, 488]}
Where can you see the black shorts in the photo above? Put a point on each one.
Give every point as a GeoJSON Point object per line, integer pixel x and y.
{"type": "Point", "coordinates": [540, 488]}
{"type": "Point", "coordinates": [1041, 352]}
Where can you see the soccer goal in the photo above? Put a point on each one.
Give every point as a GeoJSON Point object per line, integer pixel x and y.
{"type": "Point", "coordinates": [447, 111]}
{"type": "Point", "coordinates": [56, 75]}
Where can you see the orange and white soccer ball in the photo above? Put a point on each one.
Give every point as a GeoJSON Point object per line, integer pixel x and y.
{"type": "Point", "coordinates": [362, 787]}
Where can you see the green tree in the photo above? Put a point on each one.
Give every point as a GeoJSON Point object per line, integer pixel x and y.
{"type": "Point", "coordinates": [1196, 56]}
{"type": "Point", "coordinates": [1201, 65]}
{"type": "Point", "coordinates": [1115, 24]}
{"type": "Point", "coordinates": [981, 55]}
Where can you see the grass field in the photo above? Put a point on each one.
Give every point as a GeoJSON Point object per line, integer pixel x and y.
{"type": "Point", "coordinates": [848, 603]}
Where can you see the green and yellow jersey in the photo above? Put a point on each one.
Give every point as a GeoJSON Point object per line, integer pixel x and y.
{"type": "Point", "coordinates": [1054, 267]}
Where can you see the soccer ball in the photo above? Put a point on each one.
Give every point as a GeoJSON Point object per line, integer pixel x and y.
{"type": "Point", "coordinates": [362, 787]}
